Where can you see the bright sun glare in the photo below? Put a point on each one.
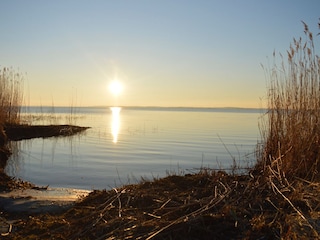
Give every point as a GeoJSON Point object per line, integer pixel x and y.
{"type": "Point", "coordinates": [115, 87]}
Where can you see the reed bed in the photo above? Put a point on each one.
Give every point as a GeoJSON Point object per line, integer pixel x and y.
{"type": "Point", "coordinates": [10, 102]}
{"type": "Point", "coordinates": [292, 132]}
{"type": "Point", "coordinates": [11, 95]}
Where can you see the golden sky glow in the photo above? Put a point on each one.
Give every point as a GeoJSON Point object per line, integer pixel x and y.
{"type": "Point", "coordinates": [165, 53]}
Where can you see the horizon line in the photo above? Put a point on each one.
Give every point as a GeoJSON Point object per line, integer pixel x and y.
{"type": "Point", "coordinates": [146, 106]}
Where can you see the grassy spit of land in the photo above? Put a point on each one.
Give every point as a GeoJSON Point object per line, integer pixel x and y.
{"type": "Point", "coordinates": [11, 128]}
{"type": "Point", "coordinates": [279, 198]}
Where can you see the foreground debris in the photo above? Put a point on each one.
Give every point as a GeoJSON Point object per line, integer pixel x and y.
{"type": "Point", "coordinates": [207, 205]}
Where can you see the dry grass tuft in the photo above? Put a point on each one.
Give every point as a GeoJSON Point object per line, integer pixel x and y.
{"type": "Point", "coordinates": [10, 102]}
{"type": "Point", "coordinates": [11, 96]}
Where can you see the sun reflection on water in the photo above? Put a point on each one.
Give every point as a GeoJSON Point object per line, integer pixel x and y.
{"type": "Point", "coordinates": [115, 124]}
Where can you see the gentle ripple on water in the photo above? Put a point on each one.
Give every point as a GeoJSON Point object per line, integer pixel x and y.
{"type": "Point", "coordinates": [149, 143]}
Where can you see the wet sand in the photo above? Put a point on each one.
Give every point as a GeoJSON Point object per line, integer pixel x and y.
{"type": "Point", "coordinates": [30, 201]}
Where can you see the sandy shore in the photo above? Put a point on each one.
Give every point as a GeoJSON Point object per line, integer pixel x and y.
{"type": "Point", "coordinates": [49, 200]}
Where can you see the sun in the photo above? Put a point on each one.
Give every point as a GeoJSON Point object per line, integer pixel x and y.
{"type": "Point", "coordinates": [115, 87]}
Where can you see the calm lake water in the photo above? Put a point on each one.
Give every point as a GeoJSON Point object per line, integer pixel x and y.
{"type": "Point", "coordinates": [126, 144]}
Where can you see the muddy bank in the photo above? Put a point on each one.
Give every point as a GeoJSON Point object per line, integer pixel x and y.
{"type": "Point", "coordinates": [206, 205]}
{"type": "Point", "coordinates": [20, 132]}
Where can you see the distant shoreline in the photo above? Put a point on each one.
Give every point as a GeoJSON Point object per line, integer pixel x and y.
{"type": "Point", "coordinates": [66, 109]}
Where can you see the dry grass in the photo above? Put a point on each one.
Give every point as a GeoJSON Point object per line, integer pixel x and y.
{"type": "Point", "coordinates": [207, 205]}
{"type": "Point", "coordinates": [292, 131]}
{"type": "Point", "coordinates": [10, 103]}
{"type": "Point", "coordinates": [11, 95]}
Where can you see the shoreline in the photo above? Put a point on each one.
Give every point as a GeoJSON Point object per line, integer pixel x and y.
{"type": "Point", "coordinates": [21, 132]}
{"type": "Point", "coordinates": [208, 204]}
{"type": "Point", "coordinates": [26, 202]}
{"type": "Point", "coordinates": [20, 199]}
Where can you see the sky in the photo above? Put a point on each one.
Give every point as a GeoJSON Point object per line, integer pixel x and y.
{"type": "Point", "coordinates": [173, 53]}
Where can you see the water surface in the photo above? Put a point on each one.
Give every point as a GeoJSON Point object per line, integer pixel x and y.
{"type": "Point", "coordinates": [126, 144]}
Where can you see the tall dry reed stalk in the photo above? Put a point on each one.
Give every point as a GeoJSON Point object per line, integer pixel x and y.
{"type": "Point", "coordinates": [11, 96]}
{"type": "Point", "coordinates": [292, 130]}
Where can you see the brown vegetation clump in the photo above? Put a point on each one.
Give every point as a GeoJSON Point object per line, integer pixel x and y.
{"type": "Point", "coordinates": [207, 205]}
{"type": "Point", "coordinates": [292, 131]}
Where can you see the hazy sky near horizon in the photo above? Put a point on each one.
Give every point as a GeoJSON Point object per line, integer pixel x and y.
{"type": "Point", "coordinates": [165, 53]}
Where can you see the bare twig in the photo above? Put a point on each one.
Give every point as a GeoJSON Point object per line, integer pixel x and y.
{"type": "Point", "coordinates": [290, 203]}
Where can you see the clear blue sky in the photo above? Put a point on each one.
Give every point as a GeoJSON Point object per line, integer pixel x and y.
{"type": "Point", "coordinates": [165, 52]}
